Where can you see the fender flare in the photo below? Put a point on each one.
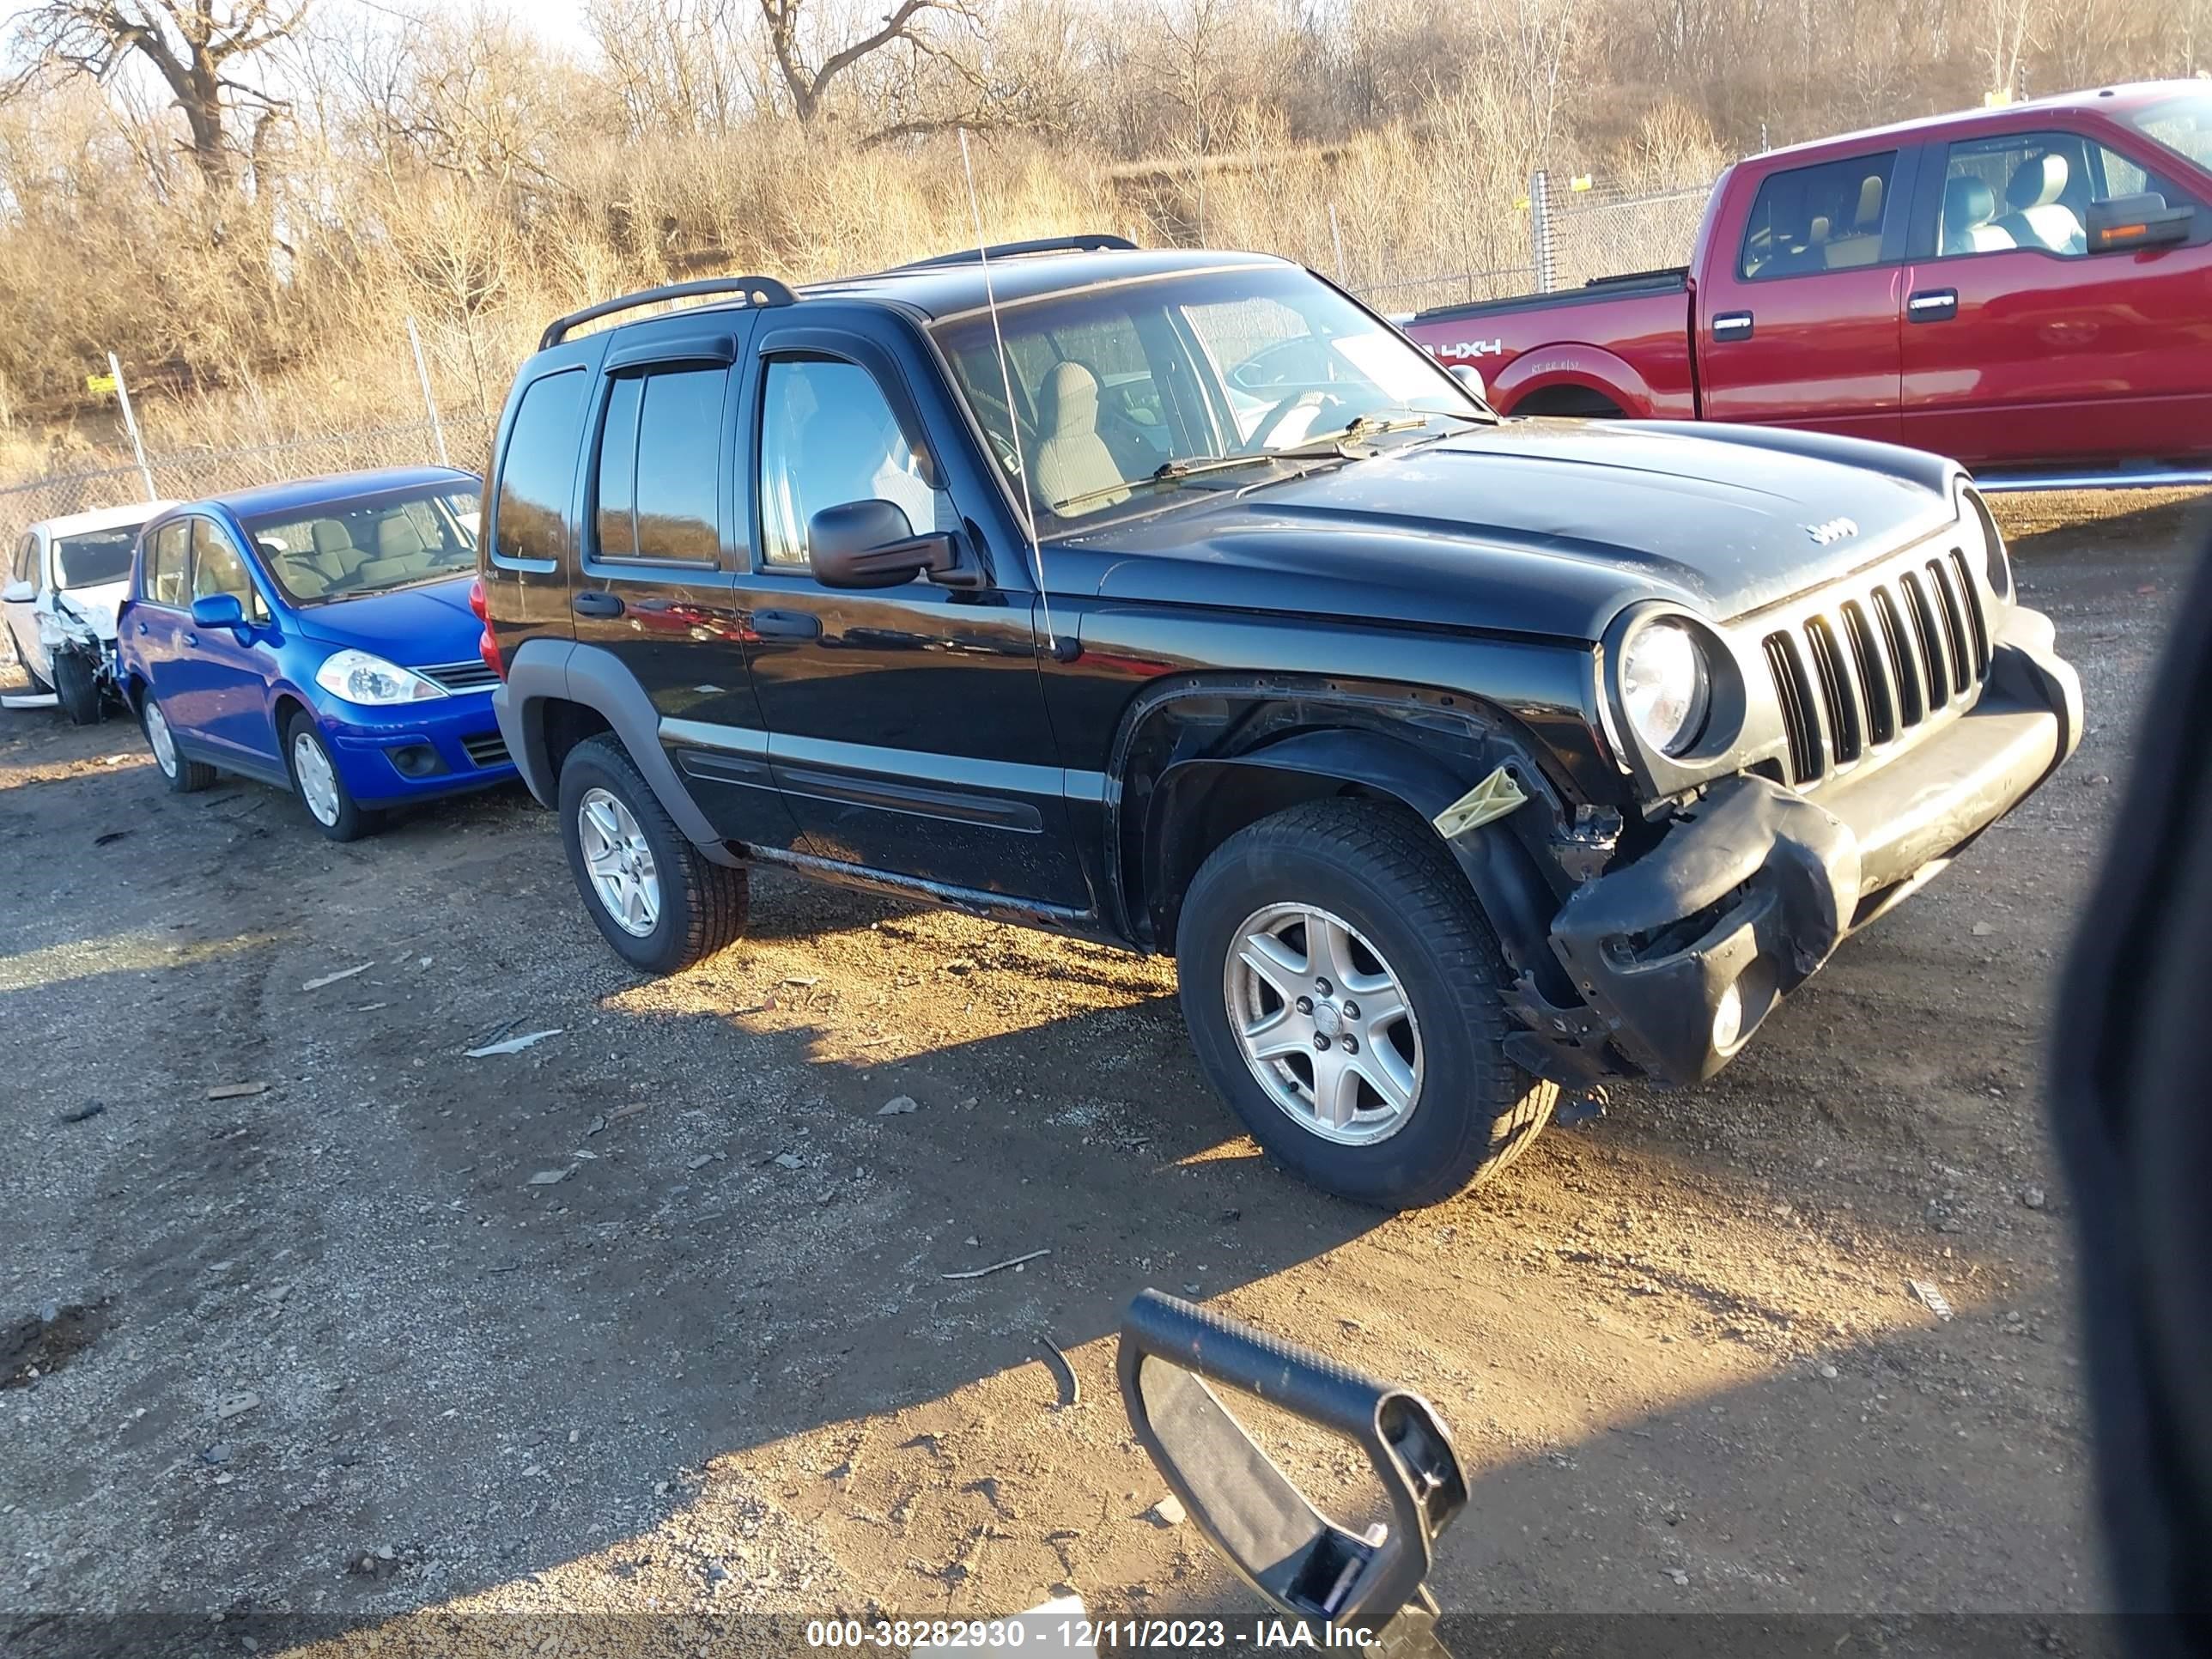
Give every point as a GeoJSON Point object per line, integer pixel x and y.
{"type": "Point", "coordinates": [1592, 368]}
{"type": "Point", "coordinates": [1511, 890]}
{"type": "Point", "coordinates": [544, 669]}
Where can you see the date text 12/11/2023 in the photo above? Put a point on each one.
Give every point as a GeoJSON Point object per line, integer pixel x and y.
{"type": "Point", "coordinates": [1051, 1634]}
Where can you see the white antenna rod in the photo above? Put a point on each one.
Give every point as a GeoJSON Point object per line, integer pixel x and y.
{"type": "Point", "coordinates": [1006, 380]}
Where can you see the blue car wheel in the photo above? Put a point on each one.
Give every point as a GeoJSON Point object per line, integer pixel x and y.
{"type": "Point", "coordinates": [320, 787]}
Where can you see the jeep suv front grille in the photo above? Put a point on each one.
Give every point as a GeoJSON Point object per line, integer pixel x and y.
{"type": "Point", "coordinates": [475, 675]}
{"type": "Point", "coordinates": [1872, 663]}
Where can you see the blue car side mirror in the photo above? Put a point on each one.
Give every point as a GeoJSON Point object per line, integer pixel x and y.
{"type": "Point", "coordinates": [218, 610]}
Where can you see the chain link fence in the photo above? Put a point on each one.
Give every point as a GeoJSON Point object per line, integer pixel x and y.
{"type": "Point", "coordinates": [187, 475]}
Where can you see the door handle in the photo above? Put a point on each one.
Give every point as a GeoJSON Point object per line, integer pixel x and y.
{"type": "Point", "coordinates": [142, 628]}
{"type": "Point", "coordinates": [192, 639]}
{"type": "Point", "coordinates": [1932, 305]}
{"type": "Point", "coordinates": [1732, 325]}
{"type": "Point", "coordinates": [786, 624]}
{"type": "Point", "coordinates": [595, 604]}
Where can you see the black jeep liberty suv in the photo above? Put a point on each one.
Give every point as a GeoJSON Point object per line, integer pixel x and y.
{"type": "Point", "coordinates": [1174, 599]}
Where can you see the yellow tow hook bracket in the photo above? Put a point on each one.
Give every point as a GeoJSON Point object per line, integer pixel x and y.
{"type": "Point", "coordinates": [1488, 801]}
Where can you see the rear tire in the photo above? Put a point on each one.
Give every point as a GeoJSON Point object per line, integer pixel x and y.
{"type": "Point", "coordinates": [1336, 901]}
{"type": "Point", "coordinates": [78, 688]}
{"type": "Point", "coordinates": [659, 901]}
{"type": "Point", "coordinates": [183, 774]}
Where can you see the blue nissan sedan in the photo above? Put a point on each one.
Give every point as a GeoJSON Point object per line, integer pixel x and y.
{"type": "Point", "coordinates": [317, 635]}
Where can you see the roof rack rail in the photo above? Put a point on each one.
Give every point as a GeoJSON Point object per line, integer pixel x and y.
{"type": "Point", "coordinates": [760, 291]}
{"type": "Point", "coordinates": [1090, 242]}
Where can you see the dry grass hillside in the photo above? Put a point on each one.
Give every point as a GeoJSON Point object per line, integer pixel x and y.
{"type": "Point", "coordinates": [252, 257]}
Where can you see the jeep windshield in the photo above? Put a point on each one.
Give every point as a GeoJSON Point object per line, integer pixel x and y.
{"type": "Point", "coordinates": [94, 558]}
{"type": "Point", "coordinates": [362, 544]}
{"type": "Point", "coordinates": [1126, 393]}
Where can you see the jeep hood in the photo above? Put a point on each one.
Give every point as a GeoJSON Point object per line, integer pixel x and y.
{"type": "Point", "coordinates": [1540, 526]}
{"type": "Point", "coordinates": [409, 626]}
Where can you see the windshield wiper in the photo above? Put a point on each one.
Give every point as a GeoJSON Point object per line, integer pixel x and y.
{"type": "Point", "coordinates": [1168, 472]}
{"type": "Point", "coordinates": [1371, 426]}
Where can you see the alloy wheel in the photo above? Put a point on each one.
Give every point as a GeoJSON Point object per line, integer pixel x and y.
{"type": "Point", "coordinates": [620, 859]}
{"type": "Point", "coordinates": [1324, 1023]}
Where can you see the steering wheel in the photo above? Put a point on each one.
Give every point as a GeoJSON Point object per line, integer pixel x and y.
{"type": "Point", "coordinates": [1309, 398]}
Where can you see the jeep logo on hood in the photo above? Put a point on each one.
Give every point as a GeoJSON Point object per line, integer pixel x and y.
{"type": "Point", "coordinates": [1836, 530]}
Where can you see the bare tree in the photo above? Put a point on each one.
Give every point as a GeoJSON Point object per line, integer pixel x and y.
{"type": "Point", "coordinates": [191, 44]}
{"type": "Point", "coordinates": [806, 83]}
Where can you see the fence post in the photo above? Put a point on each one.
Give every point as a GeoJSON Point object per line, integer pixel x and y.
{"type": "Point", "coordinates": [1539, 231]}
{"type": "Point", "coordinates": [1336, 236]}
{"type": "Point", "coordinates": [423, 374]}
{"type": "Point", "coordinates": [131, 425]}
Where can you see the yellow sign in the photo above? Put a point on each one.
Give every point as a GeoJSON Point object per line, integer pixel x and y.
{"type": "Point", "coordinates": [100, 383]}
{"type": "Point", "coordinates": [1580, 183]}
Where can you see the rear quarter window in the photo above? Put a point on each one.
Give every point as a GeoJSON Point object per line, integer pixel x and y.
{"type": "Point", "coordinates": [537, 470]}
{"type": "Point", "coordinates": [163, 581]}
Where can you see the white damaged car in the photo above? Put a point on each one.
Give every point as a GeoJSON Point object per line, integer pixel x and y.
{"type": "Point", "coordinates": [65, 580]}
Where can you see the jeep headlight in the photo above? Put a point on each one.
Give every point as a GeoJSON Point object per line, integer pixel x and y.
{"type": "Point", "coordinates": [360, 677]}
{"type": "Point", "coordinates": [1665, 686]}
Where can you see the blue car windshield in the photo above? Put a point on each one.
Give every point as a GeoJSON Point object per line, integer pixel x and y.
{"type": "Point", "coordinates": [362, 545]}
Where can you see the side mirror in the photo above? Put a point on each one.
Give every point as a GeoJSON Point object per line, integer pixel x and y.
{"type": "Point", "coordinates": [1471, 377]}
{"type": "Point", "coordinates": [1302, 1564]}
{"type": "Point", "coordinates": [18, 593]}
{"type": "Point", "coordinates": [218, 610]}
{"type": "Point", "coordinates": [872, 544]}
{"type": "Point", "coordinates": [2139, 221]}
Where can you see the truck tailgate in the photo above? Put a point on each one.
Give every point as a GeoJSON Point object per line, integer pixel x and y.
{"type": "Point", "coordinates": [1629, 334]}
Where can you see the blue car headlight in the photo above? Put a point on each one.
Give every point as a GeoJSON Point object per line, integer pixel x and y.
{"type": "Point", "coordinates": [364, 678]}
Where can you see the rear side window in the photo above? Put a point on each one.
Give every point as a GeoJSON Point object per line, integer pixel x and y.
{"type": "Point", "coordinates": [658, 482]}
{"type": "Point", "coordinates": [538, 471]}
{"type": "Point", "coordinates": [26, 568]}
{"type": "Point", "coordinates": [1814, 219]}
{"type": "Point", "coordinates": [165, 563]}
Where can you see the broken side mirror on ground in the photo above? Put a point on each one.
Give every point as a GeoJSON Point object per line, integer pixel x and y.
{"type": "Point", "coordinates": [1367, 1586]}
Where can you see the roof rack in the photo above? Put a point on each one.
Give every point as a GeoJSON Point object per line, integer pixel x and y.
{"type": "Point", "coordinates": [1090, 242]}
{"type": "Point", "coordinates": [758, 290]}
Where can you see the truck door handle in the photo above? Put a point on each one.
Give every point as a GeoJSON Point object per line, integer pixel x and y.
{"type": "Point", "coordinates": [1732, 325]}
{"type": "Point", "coordinates": [1932, 305]}
{"type": "Point", "coordinates": [595, 604]}
{"type": "Point", "coordinates": [786, 624]}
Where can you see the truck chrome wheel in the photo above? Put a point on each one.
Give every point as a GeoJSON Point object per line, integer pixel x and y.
{"type": "Point", "coordinates": [158, 738]}
{"type": "Point", "coordinates": [318, 782]}
{"type": "Point", "coordinates": [620, 861]}
{"type": "Point", "coordinates": [1323, 1023]}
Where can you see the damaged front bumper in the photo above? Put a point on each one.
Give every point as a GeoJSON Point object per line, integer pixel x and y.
{"type": "Point", "coordinates": [1680, 956]}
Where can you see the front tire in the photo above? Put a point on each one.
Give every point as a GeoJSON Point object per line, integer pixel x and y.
{"type": "Point", "coordinates": [319, 786]}
{"type": "Point", "coordinates": [183, 776]}
{"type": "Point", "coordinates": [660, 902]}
{"type": "Point", "coordinates": [1344, 993]}
{"type": "Point", "coordinates": [77, 687]}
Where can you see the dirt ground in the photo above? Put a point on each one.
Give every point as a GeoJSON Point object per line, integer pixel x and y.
{"type": "Point", "coordinates": [655, 1315]}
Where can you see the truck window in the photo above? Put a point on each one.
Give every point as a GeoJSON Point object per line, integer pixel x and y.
{"type": "Point", "coordinates": [828, 436]}
{"type": "Point", "coordinates": [1827, 217]}
{"type": "Point", "coordinates": [657, 482]}
{"type": "Point", "coordinates": [2032, 189]}
{"type": "Point", "coordinates": [538, 470]}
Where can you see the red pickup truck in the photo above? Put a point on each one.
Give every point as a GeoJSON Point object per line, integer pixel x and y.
{"type": "Point", "coordinates": [2026, 289]}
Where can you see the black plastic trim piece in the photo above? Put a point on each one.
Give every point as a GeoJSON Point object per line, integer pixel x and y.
{"type": "Point", "coordinates": [758, 290]}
